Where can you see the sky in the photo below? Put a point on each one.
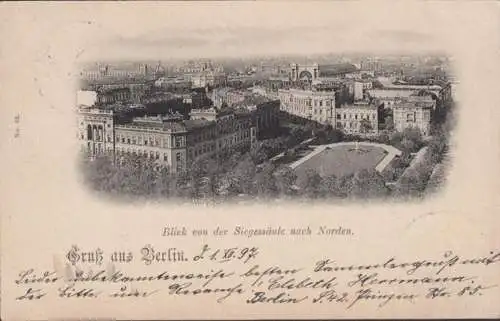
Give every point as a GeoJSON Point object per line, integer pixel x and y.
{"type": "Point", "coordinates": [208, 29]}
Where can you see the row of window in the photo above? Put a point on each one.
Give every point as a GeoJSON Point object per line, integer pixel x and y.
{"type": "Point", "coordinates": [204, 136]}
{"type": "Point", "coordinates": [210, 147]}
{"type": "Point", "coordinates": [361, 116]}
{"type": "Point", "coordinates": [308, 102]}
{"type": "Point", "coordinates": [136, 140]}
{"type": "Point", "coordinates": [143, 153]}
{"type": "Point", "coordinates": [202, 150]}
{"type": "Point", "coordinates": [349, 125]}
{"type": "Point", "coordinates": [150, 155]}
{"type": "Point", "coordinates": [320, 111]}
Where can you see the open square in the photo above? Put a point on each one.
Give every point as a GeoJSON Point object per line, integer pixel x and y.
{"type": "Point", "coordinates": [342, 160]}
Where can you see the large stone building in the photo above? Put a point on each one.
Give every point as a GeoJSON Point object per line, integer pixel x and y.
{"type": "Point", "coordinates": [308, 72]}
{"type": "Point", "coordinates": [104, 72]}
{"type": "Point", "coordinates": [227, 96]}
{"type": "Point", "coordinates": [312, 72]}
{"type": "Point", "coordinates": [318, 106]}
{"type": "Point", "coordinates": [193, 67]}
{"type": "Point", "coordinates": [360, 87]}
{"type": "Point", "coordinates": [413, 114]}
{"type": "Point", "coordinates": [265, 113]}
{"type": "Point", "coordinates": [174, 83]}
{"type": "Point", "coordinates": [168, 140]}
{"type": "Point", "coordinates": [208, 79]}
{"type": "Point", "coordinates": [391, 94]}
{"type": "Point", "coordinates": [358, 118]}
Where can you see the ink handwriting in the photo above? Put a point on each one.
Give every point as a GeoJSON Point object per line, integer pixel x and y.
{"type": "Point", "coordinates": [235, 273]}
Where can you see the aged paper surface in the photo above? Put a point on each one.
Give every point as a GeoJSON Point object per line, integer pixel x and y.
{"type": "Point", "coordinates": [68, 252]}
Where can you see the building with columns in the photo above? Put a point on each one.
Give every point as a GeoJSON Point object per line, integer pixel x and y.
{"type": "Point", "coordinates": [170, 141]}
{"type": "Point", "coordinates": [96, 129]}
{"type": "Point", "coordinates": [307, 71]}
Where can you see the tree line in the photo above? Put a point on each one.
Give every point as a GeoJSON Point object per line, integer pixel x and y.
{"type": "Point", "coordinates": [250, 173]}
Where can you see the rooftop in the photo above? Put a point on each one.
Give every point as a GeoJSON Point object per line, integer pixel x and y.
{"type": "Point", "coordinates": [170, 123]}
{"type": "Point", "coordinates": [197, 123]}
{"type": "Point", "coordinates": [336, 69]}
{"type": "Point", "coordinates": [412, 104]}
{"type": "Point", "coordinates": [253, 100]}
{"type": "Point", "coordinates": [359, 104]}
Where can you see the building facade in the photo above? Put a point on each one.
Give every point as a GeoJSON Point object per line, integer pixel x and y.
{"type": "Point", "coordinates": [358, 118]}
{"type": "Point", "coordinates": [198, 66]}
{"type": "Point", "coordinates": [408, 114]}
{"type": "Point", "coordinates": [314, 105]}
{"type": "Point", "coordinates": [112, 96]}
{"type": "Point", "coordinates": [300, 72]}
{"type": "Point", "coordinates": [209, 78]}
{"type": "Point", "coordinates": [359, 88]}
{"type": "Point", "coordinates": [229, 96]}
{"type": "Point", "coordinates": [96, 130]}
{"type": "Point", "coordinates": [264, 113]}
{"type": "Point", "coordinates": [168, 141]}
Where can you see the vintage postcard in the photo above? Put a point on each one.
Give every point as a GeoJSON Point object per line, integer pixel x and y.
{"type": "Point", "coordinates": [250, 160]}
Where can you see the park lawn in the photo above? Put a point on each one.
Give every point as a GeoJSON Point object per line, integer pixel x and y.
{"type": "Point", "coordinates": [342, 160]}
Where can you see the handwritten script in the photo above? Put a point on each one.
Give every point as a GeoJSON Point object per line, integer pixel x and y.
{"type": "Point", "coordinates": [236, 274]}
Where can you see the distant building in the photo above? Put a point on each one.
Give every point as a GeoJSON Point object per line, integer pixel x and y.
{"type": "Point", "coordinates": [273, 83]}
{"type": "Point", "coordinates": [193, 67]}
{"type": "Point", "coordinates": [112, 96]}
{"type": "Point", "coordinates": [197, 98]}
{"type": "Point", "coordinates": [308, 72]}
{"type": "Point", "coordinates": [228, 96]}
{"type": "Point", "coordinates": [358, 118]}
{"type": "Point", "coordinates": [371, 65]}
{"type": "Point", "coordinates": [101, 73]}
{"type": "Point", "coordinates": [391, 97]}
{"type": "Point", "coordinates": [208, 78]}
{"type": "Point", "coordinates": [174, 83]}
{"type": "Point", "coordinates": [360, 87]}
{"type": "Point", "coordinates": [440, 92]}
{"type": "Point", "coordinates": [238, 79]}
{"type": "Point", "coordinates": [340, 70]}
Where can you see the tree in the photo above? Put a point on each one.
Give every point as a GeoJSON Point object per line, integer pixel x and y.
{"type": "Point", "coordinates": [389, 123]}
{"type": "Point", "coordinates": [437, 147]}
{"type": "Point", "coordinates": [335, 136]}
{"type": "Point", "coordinates": [410, 140]}
{"type": "Point", "coordinates": [413, 134]}
{"type": "Point", "coordinates": [368, 184]}
{"type": "Point", "coordinates": [396, 138]}
{"type": "Point", "coordinates": [330, 186]}
{"type": "Point", "coordinates": [265, 181]}
{"type": "Point", "coordinates": [313, 184]}
{"type": "Point", "coordinates": [345, 185]}
{"type": "Point", "coordinates": [285, 181]}
{"type": "Point", "coordinates": [259, 154]}
{"type": "Point", "coordinates": [243, 176]}
{"type": "Point", "coordinates": [409, 185]}
{"type": "Point", "coordinates": [407, 145]}
{"type": "Point", "coordinates": [365, 126]}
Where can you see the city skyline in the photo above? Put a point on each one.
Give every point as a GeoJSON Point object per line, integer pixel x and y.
{"type": "Point", "coordinates": [281, 129]}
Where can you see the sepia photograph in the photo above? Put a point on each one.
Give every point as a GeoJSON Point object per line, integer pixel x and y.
{"type": "Point", "coordinates": [316, 127]}
{"type": "Point", "coordinates": [249, 160]}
